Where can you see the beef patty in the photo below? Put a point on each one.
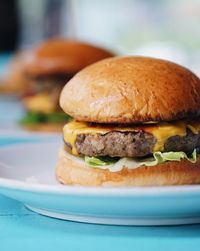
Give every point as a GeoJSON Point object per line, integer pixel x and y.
{"type": "Point", "coordinates": [49, 82]}
{"type": "Point", "coordinates": [131, 144]}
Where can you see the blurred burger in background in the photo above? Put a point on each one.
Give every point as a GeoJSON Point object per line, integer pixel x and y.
{"type": "Point", "coordinates": [15, 81]}
{"type": "Point", "coordinates": [46, 69]}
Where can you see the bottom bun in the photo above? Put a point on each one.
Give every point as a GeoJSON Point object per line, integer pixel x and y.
{"type": "Point", "coordinates": [45, 127]}
{"type": "Point", "coordinates": [169, 173]}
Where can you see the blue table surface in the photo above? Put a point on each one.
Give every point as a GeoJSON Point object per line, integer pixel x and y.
{"type": "Point", "coordinates": [21, 229]}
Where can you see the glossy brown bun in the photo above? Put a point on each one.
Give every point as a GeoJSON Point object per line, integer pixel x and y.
{"type": "Point", "coordinates": [61, 56]}
{"type": "Point", "coordinates": [44, 127]}
{"type": "Point", "coordinates": [132, 90]}
{"type": "Point", "coordinates": [169, 173]}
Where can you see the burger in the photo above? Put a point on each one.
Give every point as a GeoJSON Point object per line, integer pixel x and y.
{"type": "Point", "coordinates": [136, 122]}
{"type": "Point", "coordinates": [46, 67]}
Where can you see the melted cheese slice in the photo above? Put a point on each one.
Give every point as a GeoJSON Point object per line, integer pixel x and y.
{"type": "Point", "coordinates": [164, 131]}
{"type": "Point", "coordinates": [161, 131]}
{"type": "Point", "coordinates": [39, 103]}
{"type": "Point", "coordinates": [194, 126]}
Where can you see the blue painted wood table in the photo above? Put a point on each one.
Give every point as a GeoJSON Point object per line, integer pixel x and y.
{"type": "Point", "coordinates": [21, 229]}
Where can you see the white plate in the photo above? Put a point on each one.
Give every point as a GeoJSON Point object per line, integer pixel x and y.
{"type": "Point", "coordinates": [27, 175]}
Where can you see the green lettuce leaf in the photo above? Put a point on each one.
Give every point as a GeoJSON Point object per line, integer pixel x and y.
{"type": "Point", "coordinates": [159, 157]}
{"type": "Point", "coordinates": [116, 164]}
{"type": "Point", "coordinates": [58, 117]}
{"type": "Point", "coordinates": [100, 161]}
{"type": "Point", "coordinates": [37, 117]}
{"type": "Point", "coordinates": [33, 118]}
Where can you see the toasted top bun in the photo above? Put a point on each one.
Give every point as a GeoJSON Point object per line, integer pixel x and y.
{"type": "Point", "coordinates": [132, 90]}
{"type": "Point", "coordinates": [61, 56]}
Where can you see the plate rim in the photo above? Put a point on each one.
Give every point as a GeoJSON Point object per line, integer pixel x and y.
{"type": "Point", "coordinates": [13, 184]}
